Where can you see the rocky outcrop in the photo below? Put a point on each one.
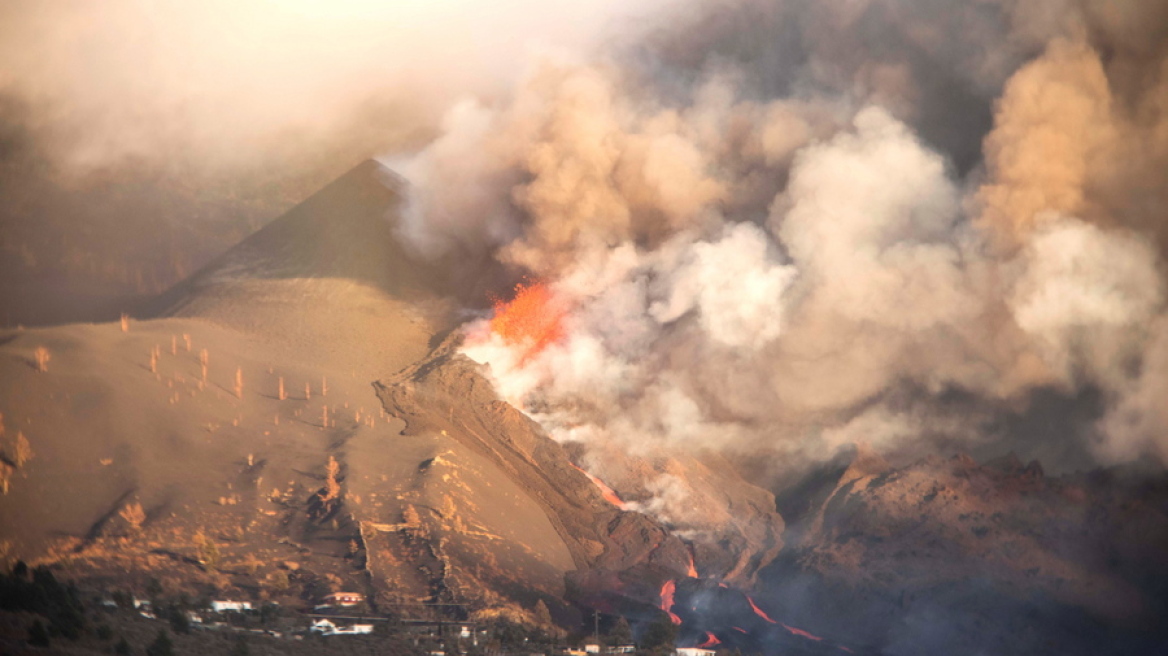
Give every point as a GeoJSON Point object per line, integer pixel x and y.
{"type": "Point", "coordinates": [979, 558]}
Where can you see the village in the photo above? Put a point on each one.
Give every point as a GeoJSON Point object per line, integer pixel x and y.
{"type": "Point", "coordinates": [342, 614]}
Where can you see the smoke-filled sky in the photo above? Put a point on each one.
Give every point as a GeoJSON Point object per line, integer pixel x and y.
{"type": "Point", "coordinates": [788, 224]}
{"type": "Point", "coordinates": [138, 138]}
{"type": "Point", "coordinates": [804, 225]}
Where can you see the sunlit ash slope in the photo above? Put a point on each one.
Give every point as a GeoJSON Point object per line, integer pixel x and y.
{"type": "Point", "coordinates": [233, 439]}
{"type": "Point", "coordinates": [214, 422]}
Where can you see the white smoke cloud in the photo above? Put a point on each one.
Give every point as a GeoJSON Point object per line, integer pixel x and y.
{"type": "Point", "coordinates": [1088, 296]}
{"type": "Point", "coordinates": [798, 269]}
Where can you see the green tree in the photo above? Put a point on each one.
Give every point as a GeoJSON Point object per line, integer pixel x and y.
{"type": "Point", "coordinates": [38, 635]}
{"type": "Point", "coordinates": [621, 633]}
{"type": "Point", "coordinates": [542, 614]}
{"type": "Point", "coordinates": [208, 551]}
{"type": "Point", "coordinates": [122, 648]}
{"type": "Point", "coordinates": [660, 635]}
{"type": "Point", "coordinates": [162, 645]}
{"type": "Point", "coordinates": [178, 619]}
{"type": "Point", "coordinates": [239, 648]}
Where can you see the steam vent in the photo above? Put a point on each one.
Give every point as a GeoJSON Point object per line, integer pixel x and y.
{"type": "Point", "coordinates": [689, 328]}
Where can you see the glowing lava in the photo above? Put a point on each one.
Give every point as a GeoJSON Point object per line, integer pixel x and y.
{"type": "Point", "coordinates": [758, 611]}
{"type": "Point", "coordinates": [667, 591]}
{"type": "Point", "coordinates": [692, 572]}
{"type": "Point", "coordinates": [711, 641]}
{"type": "Point", "coordinates": [607, 492]}
{"type": "Point", "coordinates": [531, 321]}
{"type": "Point", "coordinates": [802, 633]}
{"type": "Point", "coordinates": [739, 629]}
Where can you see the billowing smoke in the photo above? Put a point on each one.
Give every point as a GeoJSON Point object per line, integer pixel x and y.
{"type": "Point", "coordinates": [792, 226]}
{"type": "Point", "coordinates": [138, 139]}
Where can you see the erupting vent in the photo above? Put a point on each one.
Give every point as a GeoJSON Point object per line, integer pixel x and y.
{"type": "Point", "coordinates": [531, 321]}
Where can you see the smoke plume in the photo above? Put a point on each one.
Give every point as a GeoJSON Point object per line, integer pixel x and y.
{"type": "Point", "coordinates": [139, 139]}
{"type": "Point", "coordinates": [792, 226]}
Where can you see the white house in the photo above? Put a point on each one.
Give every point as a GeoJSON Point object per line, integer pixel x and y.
{"type": "Point", "coordinates": [325, 627]}
{"type": "Point", "coordinates": [621, 649]}
{"type": "Point", "coordinates": [236, 606]}
{"type": "Point", "coordinates": [343, 599]}
{"type": "Point", "coordinates": [354, 629]}
{"type": "Point", "coordinates": [693, 651]}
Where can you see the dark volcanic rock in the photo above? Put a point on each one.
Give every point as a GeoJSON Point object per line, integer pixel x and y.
{"type": "Point", "coordinates": [959, 557]}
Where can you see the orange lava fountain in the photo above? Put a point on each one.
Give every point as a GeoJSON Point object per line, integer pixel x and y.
{"type": "Point", "coordinates": [802, 633]}
{"type": "Point", "coordinates": [758, 611]}
{"type": "Point", "coordinates": [607, 492]}
{"type": "Point", "coordinates": [667, 592]}
{"type": "Point", "coordinates": [531, 321]}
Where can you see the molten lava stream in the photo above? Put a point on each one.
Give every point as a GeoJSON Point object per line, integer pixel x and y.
{"type": "Point", "coordinates": [801, 633]}
{"type": "Point", "coordinates": [605, 491]}
{"type": "Point", "coordinates": [692, 572]}
{"type": "Point", "coordinates": [667, 592]}
{"type": "Point", "coordinates": [758, 611]}
{"type": "Point", "coordinates": [531, 321]}
{"type": "Point", "coordinates": [711, 641]}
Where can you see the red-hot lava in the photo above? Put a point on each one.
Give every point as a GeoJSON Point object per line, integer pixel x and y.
{"type": "Point", "coordinates": [758, 611]}
{"type": "Point", "coordinates": [692, 572]}
{"type": "Point", "coordinates": [667, 592]}
{"type": "Point", "coordinates": [711, 641]}
{"type": "Point", "coordinates": [607, 492]}
{"type": "Point", "coordinates": [531, 321]}
{"type": "Point", "coordinates": [802, 633]}
{"type": "Point", "coordinates": [739, 629]}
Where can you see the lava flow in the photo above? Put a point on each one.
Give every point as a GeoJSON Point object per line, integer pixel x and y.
{"type": "Point", "coordinates": [692, 571]}
{"type": "Point", "coordinates": [801, 632]}
{"type": "Point", "coordinates": [607, 492]}
{"type": "Point", "coordinates": [758, 611]}
{"type": "Point", "coordinates": [667, 591]}
{"type": "Point", "coordinates": [711, 641]}
{"type": "Point", "coordinates": [531, 321]}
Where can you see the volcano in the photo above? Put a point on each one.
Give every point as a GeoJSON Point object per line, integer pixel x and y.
{"type": "Point", "coordinates": [217, 417]}
{"type": "Point", "coordinates": [297, 419]}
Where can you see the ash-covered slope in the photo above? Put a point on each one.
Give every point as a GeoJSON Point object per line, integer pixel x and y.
{"type": "Point", "coordinates": [211, 428]}
{"type": "Point", "coordinates": [504, 508]}
{"type": "Point", "coordinates": [342, 232]}
{"type": "Point", "coordinates": [235, 442]}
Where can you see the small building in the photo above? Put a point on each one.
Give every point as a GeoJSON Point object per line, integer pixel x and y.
{"type": "Point", "coordinates": [223, 606]}
{"type": "Point", "coordinates": [621, 649]}
{"type": "Point", "coordinates": [354, 629]}
{"type": "Point", "coordinates": [323, 626]}
{"type": "Point", "coordinates": [591, 648]}
{"type": "Point", "coordinates": [326, 627]}
{"type": "Point", "coordinates": [693, 651]}
{"type": "Point", "coordinates": [343, 599]}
